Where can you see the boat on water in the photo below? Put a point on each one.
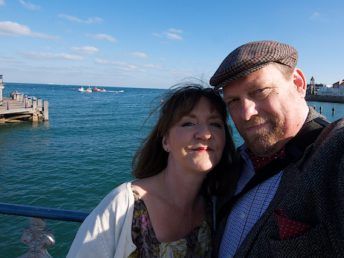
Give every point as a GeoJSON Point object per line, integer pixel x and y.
{"type": "Point", "coordinates": [95, 89]}
{"type": "Point", "coordinates": [89, 89]}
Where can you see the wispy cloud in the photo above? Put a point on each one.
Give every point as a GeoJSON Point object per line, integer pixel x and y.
{"type": "Point", "coordinates": [120, 65]}
{"type": "Point", "coordinates": [318, 17]}
{"type": "Point", "coordinates": [152, 66]}
{"type": "Point", "coordinates": [127, 67]}
{"type": "Point", "coordinates": [52, 56]}
{"type": "Point", "coordinates": [15, 29]}
{"type": "Point", "coordinates": [86, 50]}
{"type": "Point", "coordinates": [315, 16]}
{"type": "Point", "coordinates": [2, 2]}
{"type": "Point", "coordinates": [139, 54]}
{"type": "Point", "coordinates": [29, 6]}
{"type": "Point", "coordinates": [90, 20]}
{"type": "Point", "coordinates": [171, 34]}
{"type": "Point", "coordinates": [102, 36]}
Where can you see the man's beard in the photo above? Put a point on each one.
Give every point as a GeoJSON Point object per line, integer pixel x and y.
{"type": "Point", "coordinates": [263, 142]}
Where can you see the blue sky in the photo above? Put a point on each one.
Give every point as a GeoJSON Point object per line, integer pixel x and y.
{"type": "Point", "coordinates": [156, 44]}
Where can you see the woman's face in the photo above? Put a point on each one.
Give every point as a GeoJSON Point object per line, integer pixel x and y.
{"type": "Point", "coordinates": [197, 140]}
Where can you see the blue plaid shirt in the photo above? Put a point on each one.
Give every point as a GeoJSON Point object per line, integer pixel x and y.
{"type": "Point", "coordinates": [248, 209]}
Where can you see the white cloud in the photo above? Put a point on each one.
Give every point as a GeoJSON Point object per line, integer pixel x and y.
{"type": "Point", "coordinates": [139, 54]}
{"type": "Point", "coordinates": [120, 65]}
{"type": "Point", "coordinates": [29, 6]}
{"type": "Point", "coordinates": [90, 20]}
{"type": "Point", "coordinates": [171, 34]}
{"type": "Point", "coordinates": [177, 31]}
{"type": "Point", "coordinates": [15, 29]}
{"type": "Point", "coordinates": [2, 2]}
{"type": "Point", "coordinates": [102, 36]}
{"type": "Point", "coordinates": [314, 16]}
{"type": "Point", "coordinates": [86, 50]}
{"type": "Point", "coordinates": [52, 56]}
{"type": "Point", "coordinates": [152, 66]}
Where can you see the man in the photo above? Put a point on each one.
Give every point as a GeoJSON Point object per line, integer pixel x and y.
{"type": "Point", "coordinates": [288, 199]}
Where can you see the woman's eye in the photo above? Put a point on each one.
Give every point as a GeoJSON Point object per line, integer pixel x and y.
{"type": "Point", "coordinates": [187, 124]}
{"type": "Point", "coordinates": [217, 124]}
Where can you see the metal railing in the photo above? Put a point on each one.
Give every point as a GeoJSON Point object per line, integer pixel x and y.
{"type": "Point", "coordinates": [37, 237]}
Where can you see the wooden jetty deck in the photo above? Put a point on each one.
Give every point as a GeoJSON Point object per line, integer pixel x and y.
{"type": "Point", "coordinates": [22, 108]}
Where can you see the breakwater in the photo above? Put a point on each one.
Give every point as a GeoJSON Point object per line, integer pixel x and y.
{"type": "Point", "coordinates": [325, 98]}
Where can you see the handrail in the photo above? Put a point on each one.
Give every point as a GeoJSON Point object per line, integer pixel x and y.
{"type": "Point", "coordinates": [42, 212]}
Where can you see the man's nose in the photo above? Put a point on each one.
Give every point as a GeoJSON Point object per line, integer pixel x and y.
{"type": "Point", "coordinates": [248, 109]}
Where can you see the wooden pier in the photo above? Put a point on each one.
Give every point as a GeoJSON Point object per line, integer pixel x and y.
{"type": "Point", "coordinates": [19, 108]}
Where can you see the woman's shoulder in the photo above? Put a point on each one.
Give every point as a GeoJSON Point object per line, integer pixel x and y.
{"type": "Point", "coordinates": [106, 226]}
{"type": "Point", "coordinates": [121, 195]}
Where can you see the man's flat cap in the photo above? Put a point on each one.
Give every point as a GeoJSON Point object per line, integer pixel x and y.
{"type": "Point", "coordinates": [251, 57]}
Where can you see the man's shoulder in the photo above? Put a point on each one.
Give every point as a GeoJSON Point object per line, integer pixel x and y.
{"type": "Point", "coordinates": [332, 133]}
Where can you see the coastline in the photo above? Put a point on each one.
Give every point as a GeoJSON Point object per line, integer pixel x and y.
{"type": "Point", "coordinates": [325, 98]}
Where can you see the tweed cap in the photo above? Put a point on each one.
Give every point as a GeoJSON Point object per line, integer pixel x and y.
{"type": "Point", "coordinates": [251, 57]}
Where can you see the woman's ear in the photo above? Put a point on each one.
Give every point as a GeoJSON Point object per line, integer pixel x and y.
{"type": "Point", "coordinates": [165, 144]}
{"type": "Point", "coordinates": [300, 81]}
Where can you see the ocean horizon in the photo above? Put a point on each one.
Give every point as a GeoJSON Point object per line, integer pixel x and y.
{"type": "Point", "coordinates": [73, 160]}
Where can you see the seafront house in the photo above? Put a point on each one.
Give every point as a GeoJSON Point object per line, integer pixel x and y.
{"type": "Point", "coordinates": [336, 89]}
{"type": "Point", "coordinates": [325, 93]}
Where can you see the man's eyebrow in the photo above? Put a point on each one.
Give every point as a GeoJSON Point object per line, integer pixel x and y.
{"type": "Point", "coordinates": [226, 99]}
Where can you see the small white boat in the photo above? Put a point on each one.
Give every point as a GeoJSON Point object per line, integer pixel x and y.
{"type": "Point", "coordinates": [95, 89]}
{"type": "Point", "coordinates": [81, 89]}
{"type": "Point", "coordinates": [88, 90]}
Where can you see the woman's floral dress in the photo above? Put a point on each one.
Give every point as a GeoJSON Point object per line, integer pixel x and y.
{"type": "Point", "coordinates": [196, 244]}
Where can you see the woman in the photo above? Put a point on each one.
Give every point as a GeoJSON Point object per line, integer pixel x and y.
{"type": "Point", "coordinates": [165, 212]}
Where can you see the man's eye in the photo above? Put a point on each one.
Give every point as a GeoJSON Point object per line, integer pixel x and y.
{"type": "Point", "coordinates": [262, 93]}
{"type": "Point", "coordinates": [231, 102]}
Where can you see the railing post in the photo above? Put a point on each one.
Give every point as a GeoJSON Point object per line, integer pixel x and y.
{"type": "Point", "coordinates": [38, 239]}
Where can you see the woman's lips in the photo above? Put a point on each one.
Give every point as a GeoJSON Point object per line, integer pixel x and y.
{"type": "Point", "coordinates": [202, 148]}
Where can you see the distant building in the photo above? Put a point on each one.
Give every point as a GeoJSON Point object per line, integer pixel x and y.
{"type": "Point", "coordinates": [338, 84]}
{"type": "Point", "coordinates": [312, 87]}
{"type": "Point", "coordinates": [336, 89]}
{"type": "Point", "coordinates": [325, 93]}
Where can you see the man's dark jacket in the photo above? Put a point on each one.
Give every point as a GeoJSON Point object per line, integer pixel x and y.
{"type": "Point", "coordinates": [311, 193]}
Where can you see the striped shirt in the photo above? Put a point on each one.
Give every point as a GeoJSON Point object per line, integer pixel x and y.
{"type": "Point", "coordinates": [248, 209]}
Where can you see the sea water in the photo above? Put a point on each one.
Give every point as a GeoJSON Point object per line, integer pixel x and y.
{"type": "Point", "coordinates": [78, 156]}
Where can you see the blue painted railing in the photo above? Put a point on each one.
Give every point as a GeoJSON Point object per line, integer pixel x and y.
{"type": "Point", "coordinates": [42, 212]}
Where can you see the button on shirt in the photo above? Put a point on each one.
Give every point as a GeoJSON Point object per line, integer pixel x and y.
{"type": "Point", "coordinates": [248, 209]}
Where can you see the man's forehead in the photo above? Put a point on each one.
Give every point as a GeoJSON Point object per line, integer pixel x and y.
{"type": "Point", "coordinates": [255, 80]}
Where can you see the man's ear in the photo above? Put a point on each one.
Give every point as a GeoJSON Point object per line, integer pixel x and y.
{"type": "Point", "coordinates": [300, 81]}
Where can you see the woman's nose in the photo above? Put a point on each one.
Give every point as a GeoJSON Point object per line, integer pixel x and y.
{"type": "Point", "coordinates": [203, 132]}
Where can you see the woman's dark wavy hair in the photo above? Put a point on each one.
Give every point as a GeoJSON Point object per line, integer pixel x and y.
{"type": "Point", "coordinates": [151, 158]}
